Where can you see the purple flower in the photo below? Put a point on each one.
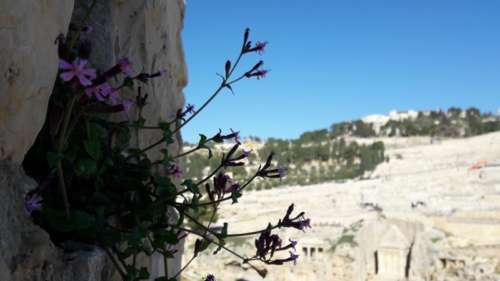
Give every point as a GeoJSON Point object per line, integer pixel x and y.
{"type": "Point", "coordinates": [126, 67]}
{"type": "Point", "coordinates": [127, 104]}
{"type": "Point", "coordinates": [260, 73]}
{"type": "Point", "coordinates": [304, 223]}
{"type": "Point", "coordinates": [298, 222]}
{"type": "Point", "coordinates": [293, 257]}
{"type": "Point", "coordinates": [259, 47]}
{"type": "Point", "coordinates": [210, 277]}
{"type": "Point", "coordinates": [77, 69]}
{"type": "Point", "coordinates": [33, 203]}
{"type": "Point", "coordinates": [100, 92]}
{"type": "Point", "coordinates": [292, 244]}
{"type": "Point", "coordinates": [266, 245]}
{"type": "Point", "coordinates": [246, 153]}
{"type": "Point", "coordinates": [257, 71]}
{"type": "Point", "coordinates": [265, 172]}
{"type": "Point", "coordinates": [114, 98]}
{"type": "Point", "coordinates": [87, 29]}
{"type": "Point", "coordinates": [175, 171]}
{"type": "Point", "coordinates": [220, 183]}
{"type": "Point", "coordinates": [233, 187]}
{"type": "Point", "coordinates": [281, 171]}
{"type": "Point", "coordinates": [219, 137]}
{"type": "Point", "coordinates": [190, 109]}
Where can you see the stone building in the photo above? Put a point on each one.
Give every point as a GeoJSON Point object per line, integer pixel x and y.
{"type": "Point", "coordinates": [391, 259]}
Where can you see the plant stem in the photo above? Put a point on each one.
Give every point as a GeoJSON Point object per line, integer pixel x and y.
{"type": "Point", "coordinates": [206, 229]}
{"type": "Point", "coordinates": [252, 232]}
{"type": "Point", "coordinates": [186, 152]}
{"type": "Point", "coordinates": [115, 263]}
{"type": "Point", "coordinates": [60, 148]}
{"type": "Point", "coordinates": [165, 263]}
{"type": "Point", "coordinates": [210, 176]}
{"type": "Point", "coordinates": [244, 259]}
{"type": "Point", "coordinates": [184, 267]}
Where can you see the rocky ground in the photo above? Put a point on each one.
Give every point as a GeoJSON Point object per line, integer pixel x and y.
{"type": "Point", "coordinates": [431, 213]}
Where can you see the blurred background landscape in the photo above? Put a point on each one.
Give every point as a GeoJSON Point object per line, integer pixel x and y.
{"type": "Point", "coordinates": [386, 115]}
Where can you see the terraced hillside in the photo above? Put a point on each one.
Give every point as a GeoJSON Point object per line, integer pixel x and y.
{"type": "Point", "coordinates": [432, 212]}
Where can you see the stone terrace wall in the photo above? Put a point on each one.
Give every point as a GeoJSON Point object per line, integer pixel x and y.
{"type": "Point", "coordinates": [148, 33]}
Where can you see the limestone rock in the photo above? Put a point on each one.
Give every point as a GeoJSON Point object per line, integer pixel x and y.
{"type": "Point", "coordinates": [26, 253]}
{"type": "Point", "coordinates": [28, 67]}
{"type": "Point", "coordinates": [148, 33]}
{"type": "Point", "coordinates": [88, 263]}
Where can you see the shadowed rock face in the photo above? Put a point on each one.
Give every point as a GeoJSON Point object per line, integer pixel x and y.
{"type": "Point", "coordinates": [148, 33]}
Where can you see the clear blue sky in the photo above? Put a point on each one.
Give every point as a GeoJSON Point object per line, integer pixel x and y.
{"type": "Point", "coordinates": [338, 60]}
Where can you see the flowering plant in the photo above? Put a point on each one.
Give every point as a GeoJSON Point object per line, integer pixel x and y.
{"type": "Point", "coordinates": [96, 188]}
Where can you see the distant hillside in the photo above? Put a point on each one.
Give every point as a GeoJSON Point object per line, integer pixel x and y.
{"type": "Point", "coordinates": [452, 123]}
{"type": "Point", "coordinates": [334, 154]}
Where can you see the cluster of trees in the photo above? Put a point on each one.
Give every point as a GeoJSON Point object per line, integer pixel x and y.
{"type": "Point", "coordinates": [322, 160]}
{"type": "Point", "coordinates": [454, 122]}
{"type": "Point", "coordinates": [324, 155]}
{"type": "Point", "coordinates": [312, 158]}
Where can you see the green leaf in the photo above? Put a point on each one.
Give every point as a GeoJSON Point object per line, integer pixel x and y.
{"type": "Point", "coordinates": [95, 131]}
{"type": "Point", "coordinates": [200, 246]}
{"type": "Point", "coordinates": [53, 158]}
{"type": "Point", "coordinates": [164, 186]}
{"type": "Point", "coordinates": [122, 138]}
{"type": "Point", "coordinates": [56, 219]}
{"type": "Point", "coordinates": [189, 184]}
{"type": "Point", "coordinates": [140, 122]}
{"type": "Point", "coordinates": [85, 167]}
{"type": "Point", "coordinates": [164, 126]}
{"type": "Point", "coordinates": [180, 220]}
{"type": "Point", "coordinates": [203, 140]}
{"type": "Point", "coordinates": [128, 83]}
{"type": "Point", "coordinates": [81, 220]}
{"type": "Point", "coordinates": [162, 237]}
{"type": "Point", "coordinates": [93, 148]}
{"type": "Point", "coordinates": [143, 273]}
{"type": "Point", "coordinates": [135, 151]}
{"type": "Point", "coordinates": [235, 195]}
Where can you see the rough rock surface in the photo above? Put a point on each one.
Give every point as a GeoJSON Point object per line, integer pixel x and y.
{"type": "Point", "coordinates": [148, 33]}
{"type": "Point", "coordinates": [28, 68]}
{"type": "Point", "coordinates": [26, 253]}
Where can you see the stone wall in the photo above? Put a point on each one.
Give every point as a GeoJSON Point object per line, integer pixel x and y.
{"type": "Point", "coordinates": [148, 33]}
